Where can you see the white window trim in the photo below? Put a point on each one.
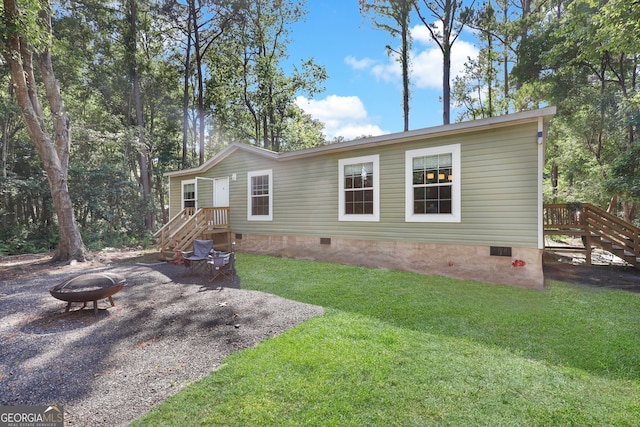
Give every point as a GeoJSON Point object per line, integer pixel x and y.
{"type": "Point", "coordinates": [195, 192]}
{"type": "Point", "coordinates": [454, 216]}
{"type": "Point", "coordinates": [250, 175]}
{"type": "Point", "coordinates": [375, 217]}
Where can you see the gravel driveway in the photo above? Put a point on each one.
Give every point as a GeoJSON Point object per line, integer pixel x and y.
{"type": "Point", "coordinates": [165, 331]}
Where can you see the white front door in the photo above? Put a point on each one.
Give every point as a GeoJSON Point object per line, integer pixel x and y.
{"type": "Point", "coordinates": [221, 192]}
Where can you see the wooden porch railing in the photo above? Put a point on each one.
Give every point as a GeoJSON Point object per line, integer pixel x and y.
{"type": "Point", "coordinates": [189, 225]}
{"type": "Point", "coordinates": [597, 227]}
{"type": "Point", "coordinates": [170, 228]}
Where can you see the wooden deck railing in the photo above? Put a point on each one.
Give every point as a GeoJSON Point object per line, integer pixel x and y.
{"type": "Point", "coordinates": [596, 227]}
{"type": "Point", "coordinates": [188, 225]}
{"type": "Point", "coordinates": [562, 217]}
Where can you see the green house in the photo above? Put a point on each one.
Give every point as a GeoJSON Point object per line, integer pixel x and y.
{"type": "Point", "coordinates": [461, 200]}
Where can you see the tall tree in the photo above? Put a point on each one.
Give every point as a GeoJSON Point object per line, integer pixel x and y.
{"type": "Point", "coordinates": [201, 24]}
{"type": "Point", "coordinates": [248, 67]}
{"type": "Point", "coordinates": [585, 60]}
{"type": "Point", "coordinates": [27, 32]}
{"type": "Point", "coordinates": [482, 90]}
{"type": "Point", "coordinates": [131, 52]}
{"type": "Point", "coordinates": [394, 17]}
{"type": "Point", "coordinates": [618, 24]}
{"type": "Point", "coordinates": [185, 88]}
{"type": "Point", "coordinates": [123, 93]}
{"type": "Point", "coordinates": [445, 20]}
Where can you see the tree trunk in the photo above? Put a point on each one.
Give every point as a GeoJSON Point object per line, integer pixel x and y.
{"type": "Point", "coordinates": [446, 85]}
{"type": "Point", "coordinates": [505, 62]}
{"type": "Point", "coordinates": [145, 180]}
{"type": "Point", "coordinates": [554, 181]}
{"type": "Point", "coordinates": [53, 153]}
{"type": "Point", "coordinates": [200, 96]}
{"type": "Point", "coordinates": [185, 92]}
{"type": "Point", "coordinates": [405, 76]}
{"type": "Point", "coordinates": [5, 144]}
{"type": "Point", "coordinates": [626, 207]}
{"type": "Point", "coordinates": [490, 75]}
{"type": "Point", "coordinates": [612, 203]}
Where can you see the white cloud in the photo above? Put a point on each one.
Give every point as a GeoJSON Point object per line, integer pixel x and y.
{"type": "Point", "coordinates": [389, 72]}
{"type": "Point", "coordinates": [426, 69]}
{"type": "Point", "coordinates": [359, 64]}
{"type": "Point", "coordinates": [427, 64]}
{"type": "Point", "coordinates": [344, 116]}
{"type": "Point", "coordinates": [421, 35]}
{"type": "Point", "coordinates": [426, 61]}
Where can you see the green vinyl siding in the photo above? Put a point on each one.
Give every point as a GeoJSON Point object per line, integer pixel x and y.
{"type": "Point", "coordinates": [499, 191]}
{"type": "Point", "coordinates": [175, 193]}
{"type": "Point", "coordinates": [500, 187]}
{"type": "Point", "coordinates": [205, 193]}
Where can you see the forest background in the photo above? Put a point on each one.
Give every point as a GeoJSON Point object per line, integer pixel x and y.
{"type": "Point", "coordinates": [151, 86]}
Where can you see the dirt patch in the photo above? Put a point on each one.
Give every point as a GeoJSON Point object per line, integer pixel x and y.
{"type": "Point", "coordinates": [29, 265]}
{"type": "Point", "coordinates": [605, 271]}
{"type": "Point", "coordinates": [567, 263]}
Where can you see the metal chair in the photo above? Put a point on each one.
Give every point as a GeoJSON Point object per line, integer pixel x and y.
{"type": "Point", "coordinates": [197, 258]}
{"type": "Point", "coordinates": [223, 264]}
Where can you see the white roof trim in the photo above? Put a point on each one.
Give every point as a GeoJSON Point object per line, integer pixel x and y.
{"type": "Point", "coordinates": [221, 155]}
{"type": "Point", "coordinates": [393, 138]}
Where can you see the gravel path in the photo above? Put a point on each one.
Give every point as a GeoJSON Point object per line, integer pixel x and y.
{"type": "Point", "coordinates": [164, 332]}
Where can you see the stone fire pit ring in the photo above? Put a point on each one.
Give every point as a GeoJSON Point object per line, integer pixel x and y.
{"type": "Point", "coordinates": [89, 287]}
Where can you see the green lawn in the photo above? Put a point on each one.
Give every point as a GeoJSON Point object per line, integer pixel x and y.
{"type": "Point", "coordinates": [403, 349]}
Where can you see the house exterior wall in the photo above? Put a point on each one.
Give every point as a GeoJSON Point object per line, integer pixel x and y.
{"type": "Point", "coordinates": [205, 192]}
{"type": "Point", "coordinates": [499, 207]}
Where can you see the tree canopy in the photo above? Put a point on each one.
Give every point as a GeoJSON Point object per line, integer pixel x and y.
{"type": "Point", "coordinates": [149, 86]}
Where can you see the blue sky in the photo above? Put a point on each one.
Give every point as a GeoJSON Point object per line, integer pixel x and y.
{"type": "Point", "coordinates": [363, 93]}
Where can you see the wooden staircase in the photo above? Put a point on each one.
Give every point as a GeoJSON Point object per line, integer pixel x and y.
{"type": "Point", "coordinates": [596, 227]}
{"type": "Point", "coordinates": [190, 224]}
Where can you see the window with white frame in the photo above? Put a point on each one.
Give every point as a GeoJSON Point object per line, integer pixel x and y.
{"type": "Point", "coordinates": [189, 193]}
{"type": "Point", "coordinates": [260, 192]}
{"type": "Point", "coordinates": [359, 188]}
{"type": "Point", "coordinates": [432, 183]}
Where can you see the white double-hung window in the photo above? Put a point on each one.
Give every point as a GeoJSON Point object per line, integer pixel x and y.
{"type": "Point", "coordinates": [260, 195]}
{"type": "Point", "coordinates": [189, 196]}
{"type": "Point", "coordinates": [359, 188]}
{"type": "Point", "coordinates": [432, 184]}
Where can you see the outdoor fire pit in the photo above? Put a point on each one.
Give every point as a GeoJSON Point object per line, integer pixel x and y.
{"type": "Point", "coordinates": [89, 287]}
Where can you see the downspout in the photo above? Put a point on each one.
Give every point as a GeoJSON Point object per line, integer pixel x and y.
{"type": "Point", "coordinates": [542, 140]}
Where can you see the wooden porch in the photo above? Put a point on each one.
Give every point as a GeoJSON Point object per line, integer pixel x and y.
{"type": "Point", "coordinates": [191, 224]}
{"type": "Point", "coordinates": [595, 227]}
